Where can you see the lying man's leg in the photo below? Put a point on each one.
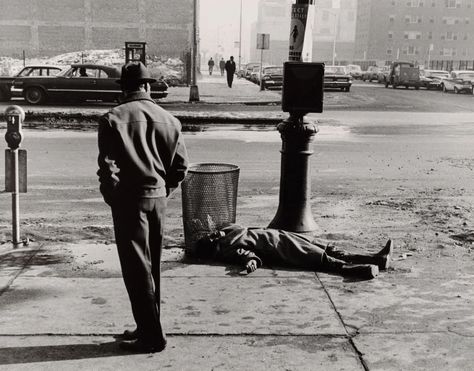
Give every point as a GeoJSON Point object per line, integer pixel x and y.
{"type": "Point", "coordinates": [382, 259]}
{"type": "Point", "coordinates": [333, 265]}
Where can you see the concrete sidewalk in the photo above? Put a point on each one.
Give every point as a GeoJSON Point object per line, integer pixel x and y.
{"type": "Point", "coordinates": [62, 304]}
{"type": "Point", "coordinates": [214, 89]}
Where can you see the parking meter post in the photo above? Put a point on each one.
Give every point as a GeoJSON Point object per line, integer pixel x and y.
{"type": "Point", "coordinates": [15, 115]}
{"type": "Point", "coordinates": [302, 93]}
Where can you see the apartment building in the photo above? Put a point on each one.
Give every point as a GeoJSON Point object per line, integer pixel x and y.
{"type": "Point", "coordinates": [50, 27]}
{"type": "Point", "coordinates": [415, 30]}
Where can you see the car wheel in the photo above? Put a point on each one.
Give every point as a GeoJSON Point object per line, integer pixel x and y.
{"type": "Point", "coordinates": [394, 86]}
{"type": "Point", "coordinates": [34, 95]}
{"type": "Point", "coordinates": [417, 87]}
{"type": "Point", "coordinates": [456, 91]}
{"type": "Point", "coordinates": [348, 89]}
{"type": "Point", "coordinates": [443, 88]}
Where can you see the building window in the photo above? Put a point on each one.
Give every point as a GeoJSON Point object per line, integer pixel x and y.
{"type": "Point", "coordinates": [391, 18]}
{"type": "Point", "coordinates": [410, 50]}
{"type": "Point", "coordinates": [412, 35]}
{"type": "Point", "coordinates": [389, 51]}
{"type": "Point", "coordinates": [432, 19]}
{"type": "Point", "coordinates": [430, 35]}
{"type": "Point", "coordinates": [415, 3]}
{"type": "Point", "coordinates": [467, 21]}
{"type": "Point", "coordinates": [413, 19]}
{"type": "Point", "coordinates": [448, 52]}
{"type": "Point", "coordinates": [390, 35]}
{"type": "Point", "coordinates": [452, 3]}
{"type": "Point", "coordinates": [451, 35]}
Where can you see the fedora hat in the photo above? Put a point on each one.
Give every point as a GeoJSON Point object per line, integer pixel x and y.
{"type": "Point", "coordinates": [135, 72]}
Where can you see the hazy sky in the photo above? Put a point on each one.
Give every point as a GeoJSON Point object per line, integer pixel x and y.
{"type": "Point", "coordinates": [220, 22]}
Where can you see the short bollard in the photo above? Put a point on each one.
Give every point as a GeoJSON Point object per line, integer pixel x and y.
{"type": "Point", "coordinates": [15, 167]}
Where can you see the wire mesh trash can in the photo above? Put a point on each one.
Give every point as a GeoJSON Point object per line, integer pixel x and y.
{"type": "Point", "coordinates": [209, 196]}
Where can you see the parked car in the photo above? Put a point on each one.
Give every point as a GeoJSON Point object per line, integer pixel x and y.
{"type": "Point", "coordinates": [80, 82]}
{"type": "Point", "coordinates": [6, 83]}
{"type": "Point", "coordinates": [459, 82]}
{"type": "Point", "coordinates": [249, 68]}
{"type": "Point", "coordinates": [432, 79]}
{"type": "Point", "coordinates": [371, 73]}
{"type": "Point", "coordinates": [403, 74]}
{"type": "Point", "coordinates": [272, 77]}
{"type": "Point", "coordinates": [336, 77]}
{"type": "Point", "coordinates": [383, 74]}
{"type": "Point", "coordinates": [254, 74]}
{"type": "Point", "coordinates": [354, 70]}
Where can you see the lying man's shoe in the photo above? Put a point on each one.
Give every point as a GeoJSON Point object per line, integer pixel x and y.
{"type": "Point", "coordinates": [139, 346]}
{"type": "Point", "coordinates": [365, 271]}
{"type": "Point", "coordinates": [384, 256]}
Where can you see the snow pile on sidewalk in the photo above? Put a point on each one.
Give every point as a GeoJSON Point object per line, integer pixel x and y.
{"type": "Point", "coordinates": [171, 69]}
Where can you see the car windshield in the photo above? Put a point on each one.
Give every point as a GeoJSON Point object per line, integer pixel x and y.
{"type": "Point", "coordinates": [273, 70]}
{"type": "Point", "coordinates": [353, 68]}
{"type": "Point", "coordinates": [467, 75]}
{"type": "Point", "coordinates": [338, 70]}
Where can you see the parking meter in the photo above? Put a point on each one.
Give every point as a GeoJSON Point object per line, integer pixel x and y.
{"type": "Point", "coordinates": [15, 116]}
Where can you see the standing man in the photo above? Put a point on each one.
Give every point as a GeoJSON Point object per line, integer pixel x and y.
{"type": "Point", "coordinates": [142, 159]}
{"type": "Point", "coordinates": [230, 69]}
{"type": "Point", "coordinates": [210, 64]}
{"type": "Point", "coordinates": [222, 66]}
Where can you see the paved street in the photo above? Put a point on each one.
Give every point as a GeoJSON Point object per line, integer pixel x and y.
{"type": "Point", "coordinates": [376, 173]}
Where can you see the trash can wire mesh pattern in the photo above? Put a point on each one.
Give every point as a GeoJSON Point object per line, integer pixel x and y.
{"type": "Point", "coordinates": [209, 197]}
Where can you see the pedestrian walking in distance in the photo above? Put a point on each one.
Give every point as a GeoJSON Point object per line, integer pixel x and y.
{"type": "Point", "coordinates": [222, 66]}
{"type": "Point", "coordinates": [253, 247]}
{"type": "Point", "coordinates": [230, 70]}
{"type": "Point", "coordinates": [210, 64]}
{"type": "Point", "coordinates": [142, 159]}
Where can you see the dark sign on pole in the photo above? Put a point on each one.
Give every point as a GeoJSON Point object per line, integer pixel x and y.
{"type": "Point", "coordinates": [135, 51]}
{"type": "Point", "coordinates": [263, 41]}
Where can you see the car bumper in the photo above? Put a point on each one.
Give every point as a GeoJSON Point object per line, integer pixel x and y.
{"type": "Point", "coordinates": [336, 84]}
{"type": "Point", "coordinates": [272, 84]}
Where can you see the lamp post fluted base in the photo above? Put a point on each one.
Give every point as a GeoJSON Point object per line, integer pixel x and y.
{"type": "Point", "coordinates": [294, 209]}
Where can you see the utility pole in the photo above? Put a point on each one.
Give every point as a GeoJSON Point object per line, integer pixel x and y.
{"type": "Point", "coordinates": [240, 36]}
{"type": "Point", "coordinates": [194, 91]}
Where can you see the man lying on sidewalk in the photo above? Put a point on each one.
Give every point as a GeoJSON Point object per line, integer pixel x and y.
{"type": "Point", "coordinates": [252, 247]}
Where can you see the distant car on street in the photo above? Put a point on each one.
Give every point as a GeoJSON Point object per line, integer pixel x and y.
{"type": "Point", "coordinates": [371, 73]}
{"type": "Point", "coordinates": [432, 79]}
{"type": "Point", "coordinates": [272, 77]}
{"type": "Point", "coordinates": [6, 83]}
{"type": "Point", "coordinates": [403, 74]}
{"type": "Point", "coordinates": [354, 70]}
{"type": "Point", "coordinates": [383, 74]}
{"type": "Point", "coordinates": [254, 74]}
{"type": "Point", "coordinates": [249, 68]}
{"type": "Point", "coordinates": [336, 77]}
{"type": "Point", "coordinates": [79, 83]}
{"type": "Point", "coordinates": [459, 82]}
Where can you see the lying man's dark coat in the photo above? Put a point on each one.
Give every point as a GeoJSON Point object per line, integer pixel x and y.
{"type": "Point", "coordinates": [240, 245]}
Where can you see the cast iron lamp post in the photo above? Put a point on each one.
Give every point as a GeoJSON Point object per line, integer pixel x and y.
{"type": "Point", "coordinates": [297, 132]}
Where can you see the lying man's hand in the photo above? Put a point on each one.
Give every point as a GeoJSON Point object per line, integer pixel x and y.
{"type": "Point", "coordinates": [251, 266]}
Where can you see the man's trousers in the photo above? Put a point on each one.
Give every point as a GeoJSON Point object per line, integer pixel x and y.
{"type": "Point", "coordinates": [138, 226]}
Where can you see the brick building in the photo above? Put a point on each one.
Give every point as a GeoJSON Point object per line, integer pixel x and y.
{"type": "Point", "coordinates": [334, 30]}
{"type": "Point", "coordinates": [50, 27]}
{"type": "Point", "coordinates": [415, 30]}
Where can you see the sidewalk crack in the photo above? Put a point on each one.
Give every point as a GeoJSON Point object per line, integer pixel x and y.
{"type": "Point", "coordinates": [350, 337]}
